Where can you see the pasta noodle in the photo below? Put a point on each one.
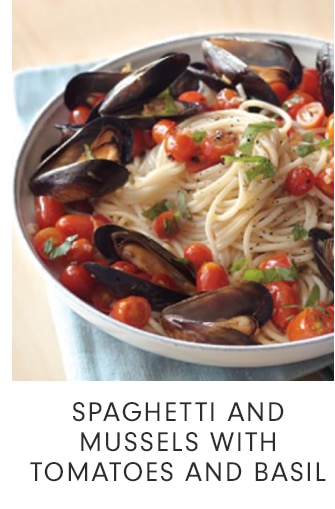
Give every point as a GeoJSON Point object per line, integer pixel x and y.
{"type": "Point", "coordinates": [234, 218]}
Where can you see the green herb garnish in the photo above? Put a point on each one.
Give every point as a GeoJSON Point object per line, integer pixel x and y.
{"type": "Point", "coordinates": [170, 107]}
{"type": "Point", "coordinates": [88, 152]}
{"type": "Point", "coordinates": [307, 148]}
{"type": "Point", "coordinates": [250, 134]}
{"type": "Point", "coordinates": [198, 136]}
{"type": "Point", "coordinates": [313, 297]}
{"type": "Point", "coordinates": [267, 276]}
{"type": "Point", "coordinates": [299, 232]}
{"type": "Point", "coordinates": [182, 205]}
{"type": "Point", "coordinates": [237, 265]}
{"type": "Point", "coordinates": [262, 167]}
{"type": "Point", "coordinates": [158, 208]}
{"type": "Point", "coordinates": [56, 251]}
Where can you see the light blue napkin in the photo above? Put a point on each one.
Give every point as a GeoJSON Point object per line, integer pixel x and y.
{"type": "Point", "coordinates": [87, 352]}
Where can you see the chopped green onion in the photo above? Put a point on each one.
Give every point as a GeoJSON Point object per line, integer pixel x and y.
{"type": "Point", "coordinates": [170, 105]}
{"type": "Point", "coordinates": [182, 205]}
{"type": "Point", "coordinates": [198, 136]}
{"type": "Point", "coordinates": [250, 134]}
{"type": "Point", "coordinates": [262, 167]}
{"type": "Point", "coordinates": [158, 208]}
{"type": "Point", "coordinates": [313, 297]}
{"type": "Point", "coordinates": [307, 148]}
{"type": "Point", "coordinates": [61, 250]}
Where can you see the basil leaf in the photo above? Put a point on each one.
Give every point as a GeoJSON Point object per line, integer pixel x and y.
{"type": "Point", "coordinates": [250, 134]}
{"type": "Point", "coordinates": [237, 265]}
{"type": "Point", "coordinates": [198, 136]}
{"type": "Point", "coordinates": [263, 166]}
{"type": "Point", "coordinates": [270, 275]}
{"type": "Point", "coordinates": [313, 297]}
{"type": "Point", "coordinates": [299, 232]}
{"type": "Point", "coordinates": [307, 148]}
{"type": "Point", "coordinates": [158, 208]}
{"type": "Point", "coordinates": [182, 205]}
{"type": "Point", "coordinates": [61, 250]}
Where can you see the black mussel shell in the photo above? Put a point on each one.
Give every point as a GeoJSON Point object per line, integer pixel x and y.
{"type": "Point", "coordinates": [323, 250]}
{"type": "Point", "coordinates": [124, 284]}
{"type": "Point", "coordinates": [144, 83]}
{"type": "Point", "coordinates": [325, 66]}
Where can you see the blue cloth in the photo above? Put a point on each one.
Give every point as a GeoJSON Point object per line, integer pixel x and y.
{"type": "Point", "coordinates": [87, 352]}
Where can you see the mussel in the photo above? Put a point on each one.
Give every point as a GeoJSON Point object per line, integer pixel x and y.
{"type": "Point", "coordinates": [115, 243]}
{"type": "Point", "coordinates": [230, 315]}
{"type": "Point", "coordinates": [325, 66]}
{"type": "Point", "coordinates": [253, 64]}
{"type": "Point", "coordinates": [89, 164]}
{"type": "Point", "coordinates": [323, 250]}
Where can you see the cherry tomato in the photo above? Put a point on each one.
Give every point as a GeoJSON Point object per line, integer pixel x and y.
{"type": "Point", "coordinates": [132, 310]}
{"type": "Point", "coordinates": [125, 266]}
{"type": "Point", "coordinates": [198, 253]}
{"type": "Point", "coordinates": [193, 96]}
{"type": "Point", "coordinates": [325, 180]}
{"type": "Point", "coordinates": [299, 180]}
{"type": "Point", "coordinates": [310, 82]}
{"type": "Point", "coordinates": [216, 144]}
{"type": "Point", "coordinates": [281, 90]}
{"type": "Point", "coordinates": [311, 115]}
{"type": "Point", "coordinates": [166, 225]}
{"type": "Point", "coordinates": [78, 280]}
{"type": "Point", "coordinates": [161, 128]}
{"type": "Point", "coordinates": [48, 210]}
{"type": "Point", "coordinates": [99, 220]}
{"type": "Point", "coordinates": [285, 303]}
{"type": "Point", "coordinates": [148, 140]}
{"type": "Point", "coordinates": [82, 250]}
{"type": "Point", "coordinates": [210, 276]}
{"type": "Point", "coordinates": [49, 234]}
{"type": "Point", "coordinates": [102, 298]}
{"type": "Point", "coordinates": [180, 145]}
{"type": "Point", "coordinates": [76, 224]}
{"type": "Point", "coordinates": [96, 98]}
{"type": "Point", "coordinates": [294, 102]}
{"type": "Point", "coordinates": [165, 280]}
{"type": "Point", "coordinates": [330, 127]}
{"type": "Point", "coordinates": [311, 322]}
{"type": "Point", "coordinates": [227, 99]}
{"type": "Point", "coordinates": [138, 144]}
{"type": "Point", "coordinates": [279, 259]}
{"type": "Point", "coordinates": [79, 115]}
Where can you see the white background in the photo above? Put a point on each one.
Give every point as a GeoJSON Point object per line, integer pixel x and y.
{"type": "Point", "coordinates": [42, 429]}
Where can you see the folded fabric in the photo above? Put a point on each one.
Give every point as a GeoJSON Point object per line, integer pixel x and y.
{"type": "Point", "coordinates": [87, 352]}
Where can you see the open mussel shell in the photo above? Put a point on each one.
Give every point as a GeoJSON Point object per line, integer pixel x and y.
{"type": "Point", "coordinates": [253, 64]}
{"type": "Point", "coordinates": [144, 83]}
{"type": "Point", "coordinates": [323, 250]}
{"type": "Point", "coordinates": [229, 315]}
{"type": "Point", "coordinates": [325, 66]}
{"type": "Point", "coordinates": [83, 87]}
{"type": "Point", "coordinates": [115, 243]}
{"type": "Point", "coordinates": [70, 174]}
{"type": "Point", "coordinates": [124, 284]}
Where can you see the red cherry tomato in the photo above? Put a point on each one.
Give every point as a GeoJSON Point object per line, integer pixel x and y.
{"type": "Point", "coordinates": [78, 280]}
{"type": "Point", "coordinates": [310, 82]}
{"type": "Point", "coordinates": [132, 310]}
{"type": "Point", "coordinates": [294, 102]}
{"type": "Point", "coordinates": [49, 234]}
{"type": "Point", "coordinates": [279, 259]}
{"type": "Point", "coordinates": [99, 220]}
{"type": "Point", "coordinates": [166, 225]}
{"type": "Point", "coordinates": [193, 96]}
{"type": "Point", "coordinates": [281, 90]}
{"type": "Point", "coordinates": [148, 140]}
{"type": "Point", "coordinates": [102, 298]}
{"type": "Point", "coordinates": [82, 250]}
{"type": "Point", "coordinates": [216, 144]}
{"type": "Point", "coordinates": [311, 115]}
{"type": "Point", "coordinates": [161, 128]}
{"type": "Point", "coordinates": [285, 303]}
{"type": "Point", "coordinates": [330, 127]}
{"type": "Point", "coordinates": [311, 322]}
{"type": "Point", "coordinates": [198, 253]}
{"type": "Point", "coordinates": [48, 211]}
{"type": "Point", "coordinates": [76, 224]}
{"type": "Point", "coordinates": [325, 181]}
{"type": "Point", "coordinates": [180, 145]}
{"type": "Point", "coordinates": [227, 99]}
{"type": "Point", "coordinates": [125, 266]}
{"type": "Point", "coordinates": [210, 276]}
{"type": "Point", "coordinates": [79, 115]}
{"type": "Point", "coordinates": [138, 144]}
{"type": "Point", "coordinates": [165, 280]}
{"type": "Point", "coordinates": [299, 180]}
